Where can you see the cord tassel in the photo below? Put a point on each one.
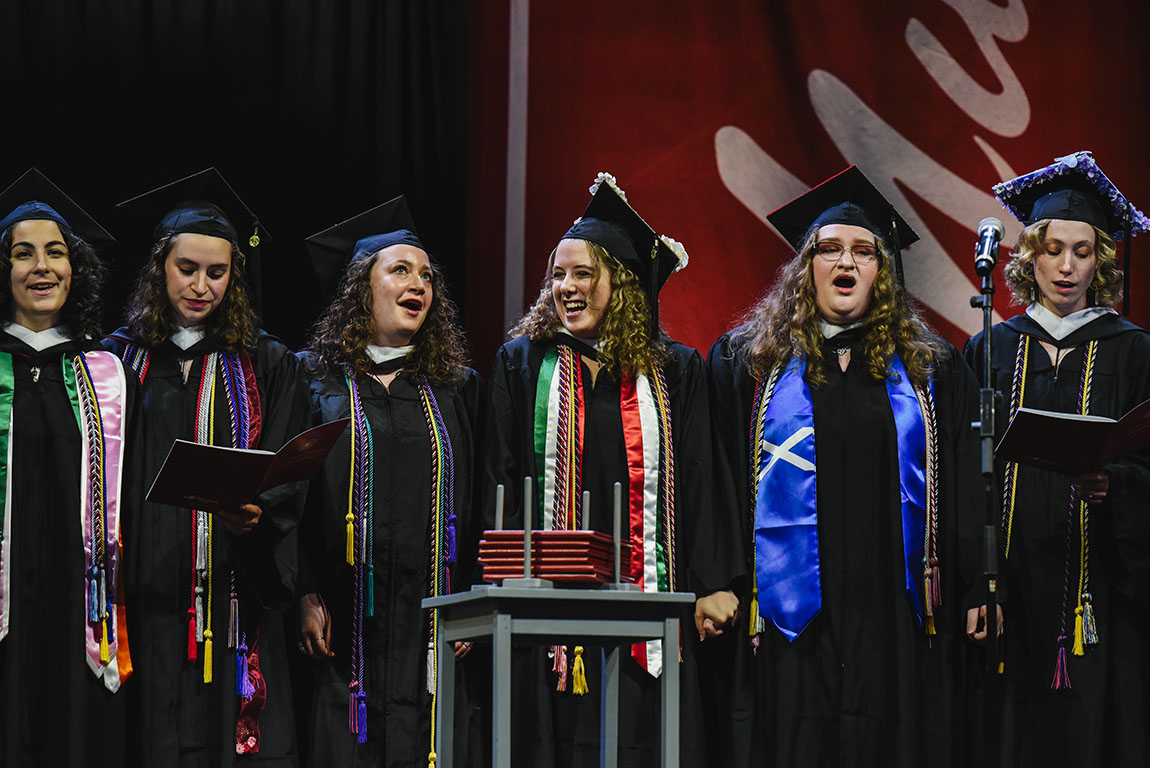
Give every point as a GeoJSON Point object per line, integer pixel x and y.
{"type": "Point", "coordinates": [361, 716]}
{"type": "Point", "coordinates": [105, 654]}
{"type": "Point", "coordinates": [93, 608]}
{"type": "Point", "coordinates": [208, 656]}
{"type": "Point", "coordinates": [352, 712]}
{"type": "Point", "coordinates": [1061, 679]}
{"type": "Point", "coordinates": [199, 614]}
{"type": "Point", "coordinates": [579, 683]}
{"type": "Point", "coordinates": [561, 667]}
{"type": "Point", "coordinates": [370, 589]}
{"type": "Point", "coordinates": [1078, 649]}
{"type": "Point", "coordinates": [192, 648]}
{"type": "Point", "coordinates": [349, 553]}
{"type": "Point", "coordinates": [1089, 627]}
{"type": "Point", "coordinates": [201, 541]}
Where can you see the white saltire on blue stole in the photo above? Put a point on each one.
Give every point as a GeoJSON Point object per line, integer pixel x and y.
{"type": "Point", "coordinates": [786, 504]}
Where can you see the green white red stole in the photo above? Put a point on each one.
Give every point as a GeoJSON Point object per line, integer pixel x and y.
{"type": "Point", "coordinates": [649, 523]}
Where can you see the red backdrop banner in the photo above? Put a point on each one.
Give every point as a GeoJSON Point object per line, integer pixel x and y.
{"type": "Point", "coordinates": [712, 114]}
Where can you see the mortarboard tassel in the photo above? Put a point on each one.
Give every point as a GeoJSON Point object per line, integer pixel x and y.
{"type": "Point", "coordinates": [753, 622]}
{"type": "Point", "coordinates": [579, 683]}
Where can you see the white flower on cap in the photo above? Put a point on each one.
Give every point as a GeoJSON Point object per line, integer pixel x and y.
{"type": "Point", "coordinates": [677, 249]}
{"type": "Point", "coordinates": [606, 177]}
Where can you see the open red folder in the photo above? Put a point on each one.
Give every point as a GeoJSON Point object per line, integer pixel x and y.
{"type": "Point", "coordinates": [199, 476]}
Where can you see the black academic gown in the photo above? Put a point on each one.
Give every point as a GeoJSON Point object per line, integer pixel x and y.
{"type": "Point", "coordinates": [177, 719]}
{"type": "Point", "coordinates": [550, 728]}
{"type": "Point", "coordinates": [396, 637]}
{"type": "Point", "coordinates": [53, 710]}
{"type": "Point", "coordinates": [861, 685]}
{"type": "Point", "coordinates": [1103, 719]}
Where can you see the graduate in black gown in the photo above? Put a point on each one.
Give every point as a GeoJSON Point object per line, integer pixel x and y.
{"type": "Point", "coordinates": [589, 360]}
{"type": "Point", "coordinates": [207, 587]}
{"type": "Point", "coordinates": [844, 430]}
{"type": "Point", "coordinates": [65, 412]}
{"type": "Point", "coordinates": [387, 353]}
{"type": "Point", "coordinates": [1077, 548]}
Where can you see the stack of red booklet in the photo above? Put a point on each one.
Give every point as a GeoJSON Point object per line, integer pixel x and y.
{"type": "Point", "coordinates": [564, 556]}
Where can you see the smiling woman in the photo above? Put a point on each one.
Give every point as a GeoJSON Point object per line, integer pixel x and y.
{"type": "Point", "coordinates": [590, 392]}
{"type": "Point", "coordinates": [67, 411]}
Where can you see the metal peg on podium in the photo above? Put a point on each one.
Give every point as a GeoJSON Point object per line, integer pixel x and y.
{"type": "Point", "coordinates": [527, 580]}
{"type": "Point", "coordinates": [616, 533]}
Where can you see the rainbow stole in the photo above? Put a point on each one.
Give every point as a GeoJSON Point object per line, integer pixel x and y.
{"type": "Point", "coordinates": [359, 538]}
{"type": "Point", "coordinates": [645, 406]}
{"type": "Point", "coordinates": [787, 589]}
{"type": "Point", "coordinates": [96, 388]}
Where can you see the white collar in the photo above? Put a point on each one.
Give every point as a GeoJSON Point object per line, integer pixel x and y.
{"type": "Point", "coordinates": [1061, 327]}
{"type": "Point", "coordinates": [593, 343]}
{"type": "Point", "coordinates": [380, 355]}
{"type": "Point", "coordinates": [830, 330]}
{"type": "Point", "coordinates": [185, 338]}
{"type": "Point", "coordinates": [39, 340]}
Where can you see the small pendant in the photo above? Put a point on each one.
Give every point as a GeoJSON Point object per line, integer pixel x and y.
{"type": "Point", "coordinates": [35, 374]}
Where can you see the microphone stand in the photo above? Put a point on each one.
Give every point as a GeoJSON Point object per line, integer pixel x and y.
{"type": "Point", "coordinates": [987, 398]}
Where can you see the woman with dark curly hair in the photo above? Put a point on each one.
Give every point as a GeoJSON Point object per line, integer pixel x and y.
{"type": "Point", "coordinates": [65, 408]}
{"type": "Point", "coordinates": [207, 586]}
{"type": "Point", "coordinates": [388, 353]}
{"type": "Point", "coordinates": [1077, 548]}
{"type": "Point", "coordinates": [589, 360]}
{"type": "Point", "coordinates": [845, 429]}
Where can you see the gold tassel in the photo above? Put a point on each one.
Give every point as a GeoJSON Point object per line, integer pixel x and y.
{"type": "Point", "coordinates": [350, 552]}
{"type": "Point", "coordinates": [207, 655]}
{"type": "Point", "coordinates": [431, 758]}
{"type": "Point", "coordinates": [105, 653]}
{"type": "Point", "coordinates": [579, 684]}
{"type": "Point", "coordinates": [1078, 649]}
{"type": "Point", "coordinates": [753, 621]}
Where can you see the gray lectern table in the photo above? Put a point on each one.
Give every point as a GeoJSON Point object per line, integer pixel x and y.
{"type": "Point", "coordinates": [546, 616]}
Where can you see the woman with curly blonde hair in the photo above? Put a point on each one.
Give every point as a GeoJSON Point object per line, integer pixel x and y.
{"type": "Point", "coordinates": [1077, 559]}
{"type": "Point", "coordinates": [845, 436]}
{"type": "Point", "coordinates": [387, 353]}
{"type": "Point", "coordinates": [208, 586]}
{"type": "Point", "coordinates": [588, 361]}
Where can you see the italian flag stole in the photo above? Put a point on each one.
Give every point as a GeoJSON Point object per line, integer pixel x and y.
{"type": "Point", "coordinates": [559, 435]}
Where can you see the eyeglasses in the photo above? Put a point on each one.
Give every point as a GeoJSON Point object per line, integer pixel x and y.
{"type": "Point", "coordinates": [830, 252]}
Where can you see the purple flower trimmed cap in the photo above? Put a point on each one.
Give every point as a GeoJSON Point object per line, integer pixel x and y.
{"type": "Point", "coordinates": [1072, 188]}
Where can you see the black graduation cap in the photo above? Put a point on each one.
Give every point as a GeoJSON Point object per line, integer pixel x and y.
{"type": "Point", "coordinates": [360, 236]}
{"type": "Point", "coordinates": [847, 197]}
{"type": "Point", "coordinates": [34, 196]}
{"type": "Point", "coordinates": [205, 204]}
{"type": "Point", "coordinates": [611, 222]}
{"type": "Point", "coordinates": [1072, 188]}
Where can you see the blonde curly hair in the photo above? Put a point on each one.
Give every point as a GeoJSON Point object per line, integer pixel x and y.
{"type": "Point", "coordinates": [1106, 285]}
{"type": "Point", "coordinates": [784, 324]}
{"type": "Point", "coordinates": [626, 344]}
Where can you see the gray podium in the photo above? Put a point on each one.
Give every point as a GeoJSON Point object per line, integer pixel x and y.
{"type": "Point", "coordinates": [546, 616]}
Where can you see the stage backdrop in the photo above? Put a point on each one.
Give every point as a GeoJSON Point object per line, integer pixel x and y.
{"type": "Point", "coordinates": [712, 114]}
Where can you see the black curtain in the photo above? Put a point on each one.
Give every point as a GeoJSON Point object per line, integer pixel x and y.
{"type": "Point", "coordinates": [314, 110]}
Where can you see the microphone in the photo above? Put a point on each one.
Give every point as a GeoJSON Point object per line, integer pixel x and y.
{"type": "Point", "coordinates": [990, 232]}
